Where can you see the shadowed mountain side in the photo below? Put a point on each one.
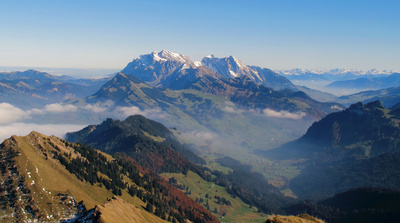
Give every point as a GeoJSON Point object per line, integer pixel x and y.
{"type": "Point", "coordinates": [246, 93]}
{"type": "Point", "coordinates": [126, 90]}
{"type": "Point", "coordinates": [273, 80]}
{"type": "Point", "coordinates": [392, 80]}
{"type": "Point", "coordinates": [357, 147]}
{"type": "Point", "coordinates": [148, 142]}
{"type": "Point", "coordinates": [361, 131]}
{"type": "Point", "coordinates": [357, 205]}
{"type": "Point", "coordinates": [337, 177]}
{"type": "Point", "coordinates": [318, 95]}
{"type": "Point", "coordinates": [388, 96]}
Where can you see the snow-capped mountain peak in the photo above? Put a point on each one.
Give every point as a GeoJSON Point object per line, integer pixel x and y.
{"type": "Point", "coordinates": [168, 55]}
{"type": "Point", "coordinates": [160, 57]}
{"type": "Point", "coordinates": [230, 67]}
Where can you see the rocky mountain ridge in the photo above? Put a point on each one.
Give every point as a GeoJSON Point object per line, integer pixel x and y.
{"type": "Point", "coordinates": [166, 69]}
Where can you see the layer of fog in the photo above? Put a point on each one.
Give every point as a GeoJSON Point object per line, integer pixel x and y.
{"type": "Point", "coordinates": [58, 119]}
{"type": "Point", "coordinates": [320, 86]}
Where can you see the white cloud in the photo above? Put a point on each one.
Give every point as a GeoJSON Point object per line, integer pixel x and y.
{"type": "Point", "coordinates": [127, 111]}
{"type": "Point", "coordinates": [60, 108]}
{"type": "Point", "coordinates": [229, 103]}
{"type": "Point", "coordinates": [336, 107]}
{"type": "Point", "coordinates": [99, 107]}
{"type": "Point", "coordinates": [10, 113]}
{"type": "Point", "coordinates": [22, 129]}
{"type": "Point", "coordinates": [123, 112]}
{"type": "Point", "coordinates": [283, 114]}
{"type": "Point", "coordinates": [200, 137]}
{"type": "Point", "coordinates": [232, 110]}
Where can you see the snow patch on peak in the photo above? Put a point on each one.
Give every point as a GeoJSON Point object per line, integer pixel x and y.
{"type": "Point", "coordinates": [197, 63]}
{"type": "Point", "coordinates": [185, 66]}
{"type": "Point", "coordinates": [209, 56]}
{"type": "Point", "coordinates": [156, 57]}
{"type": "Point", "coordinates": [233, 73]}
{"type": "Point", "coordinates": [168, 55]}
{"type": "Point", "coordinates": [238, 62]}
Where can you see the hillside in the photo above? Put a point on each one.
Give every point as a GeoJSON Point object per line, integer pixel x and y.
{"type": "Point", "coordinates": [85, 178]}
{"type": "Point", "coordinates": [388, 97]}
{"type": "Point", "coordinates": [303, 218]}
{"type": "Point", "coordinates": [152, 146]}
{"type": "Point", "coordinates": [366, 204]}
{"type": "Point", "coordinates": [148, 142]}
{"type": "Point", "coordinates": [358, 147]}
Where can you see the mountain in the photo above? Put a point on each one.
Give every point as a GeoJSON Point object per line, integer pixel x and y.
{"type": "Point", "coordinates": [362, 130]}
{"type": "Point", "coordinates": [388, 96]}
{"type": "Point", "coordinates": [367, 204]}
{"type": "Point", "coordinates": [167, 69]}
{"type": "Point", "coordinates": [177, 71]}
{"type": "Point", "coordinates": [363, 83]}
{"type": "Point", "coordinates": [148, 142]}
{"type": "Point", "coordinates": [34, 88]}
{"type": "Point", "coordinates": [318, 95]}
{"type": "Point", "coordinates": [332, 75]}
{"type": "Point", "coordinates": [209, 99]}
{"type": "Point", "coordinates": [231, 67]}
{"type": "Point", "coordinates": [45, 178]}
{"type": "Point", "coordinates": [28, 74]}
{"type": "Point", "coordinates": [127, 90]}
{"type": "Point", "coordinates": [371, 126]}
{"type": "Point", "coordinates": [155, 67]}
{"type": "Point", "coordinates": [303, 75]}
{"type": "Point", "coordinates": [154, 147]}
{"type": "Point", "coordinates": [357, 147]}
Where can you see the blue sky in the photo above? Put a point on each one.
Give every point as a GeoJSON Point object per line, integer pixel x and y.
{"type": "Point", "coordinates": [277, 34]}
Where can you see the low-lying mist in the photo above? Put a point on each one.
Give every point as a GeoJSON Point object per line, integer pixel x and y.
{"type": "Point", "coordinates": [236, 132]}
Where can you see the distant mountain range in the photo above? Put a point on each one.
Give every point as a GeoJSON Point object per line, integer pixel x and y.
{"type": "Point", "coordinates": [32, 88]}
{"type": "Point", "coordinates": [392, 80]}
{"type": "Point", "coordinates": [332, 75]}
{"type": "Point", "coordinates": [388, 96]}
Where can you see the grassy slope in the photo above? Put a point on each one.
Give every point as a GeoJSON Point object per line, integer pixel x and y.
{"type": "Point", "coordinates": [47, 177]}
{"type": "Point", "coordinates": [294, 219]}
{"type": "Point", "coordinates": [237, 212]}
{"type": "Point", "coordinates": [118, 210]}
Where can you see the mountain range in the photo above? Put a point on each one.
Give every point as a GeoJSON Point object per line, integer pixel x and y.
{"type": "Point", "coordinates": [177, 71]}
{"type": "Point", "coordinates": [388, 96]}
{"type": "Point", "coordinates": [215, 125]}
{"type": "Point", "coordinates": [332, 75]}
{"type": "Point", "coordinates": [363, 83]}
{"type": "Point", "coordinates": [207, 101]}
{"type": "Point", "coordinates": [33, 89]}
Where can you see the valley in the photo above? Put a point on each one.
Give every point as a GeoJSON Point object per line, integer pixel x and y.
{"type": "Point", "coordinates": [169, 139]}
